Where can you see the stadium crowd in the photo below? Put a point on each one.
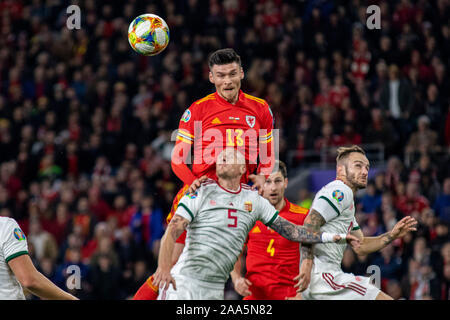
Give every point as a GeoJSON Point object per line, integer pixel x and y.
{"type": "Point", "coordinates": [86, 124]}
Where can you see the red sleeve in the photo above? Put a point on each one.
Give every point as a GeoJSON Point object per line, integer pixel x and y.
{"type": "Point", "coordinates": [184, 141]}
{"type": "Point", "coordinates": [266, 144]}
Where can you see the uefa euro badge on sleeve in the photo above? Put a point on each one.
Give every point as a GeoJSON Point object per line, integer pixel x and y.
{"type": "Point", "coordinates": [338, 195]}
{"type": "Point", "coordinates": [192, 195]}
{"type": "Point", "coordinates": [186, 116]}
{"type": "Point", "coordinates": [19, 235]}
{"type": "Point", "coordinates": [248, 206]}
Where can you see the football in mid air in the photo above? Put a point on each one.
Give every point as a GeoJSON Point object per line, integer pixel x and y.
{"type": "Point", "coordinates": [148, 34]}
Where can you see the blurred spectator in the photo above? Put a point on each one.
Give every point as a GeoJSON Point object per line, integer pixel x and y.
{"type": "Point", "coordinates": [370, 201]}
{"type": "Point", "coordinates": [147, 225]}
{"type": "Point", "coordinates": [424, 139]}
{"type": "Point", "coordinates": [442, 203]}
{"type": "Point", "coordinates": [389, 263]}
{"type": "Point", "coordinates": [43, 242]}
{"type": "Point", "coordinates": [85, 122]}
{"type": "Point", "coordinates": [380, 130]}
{"type": "Point", "coordinates": [396, 99]}
{"type": "Point", "coordinates": [412, 203]}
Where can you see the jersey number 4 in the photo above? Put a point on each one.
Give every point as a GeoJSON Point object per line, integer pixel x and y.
{"type": "Point", "coordinates": [232, 217]}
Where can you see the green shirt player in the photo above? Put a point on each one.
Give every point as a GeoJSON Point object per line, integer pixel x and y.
{"type": "Point", "coordinates": [17, 269]}
{"type": "Point", "coordinates": [333, 211]}
{"type": "Point", "coordinates": [218, 217]}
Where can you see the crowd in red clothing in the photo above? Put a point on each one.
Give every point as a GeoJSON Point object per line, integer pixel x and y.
{"type": "Point", "coordinates": [86, 123]}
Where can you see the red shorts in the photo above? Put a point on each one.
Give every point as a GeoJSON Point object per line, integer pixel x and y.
{"type": "Point", "coordinates": [271, 292]}
{"type": "Point", "coordinates": [176, 200]}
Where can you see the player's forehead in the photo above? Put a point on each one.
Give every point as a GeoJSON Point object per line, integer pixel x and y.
{"type": "Point", "coordinates": [275, 176]}
{"type": "Point", "coordinates": [357, 157]}
{"type": "Point", "coordinates": [225, 68]}
{"type": "Point", "coordinates": [231, 156]}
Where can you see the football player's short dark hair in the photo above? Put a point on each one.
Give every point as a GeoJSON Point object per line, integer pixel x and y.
{"type": "Point", "coordinates": [224, 56]}
{"type": "Point", "coordinates": [281, 168]}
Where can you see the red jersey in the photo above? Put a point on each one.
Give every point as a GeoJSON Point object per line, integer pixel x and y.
{"type": "Point", "coordinates": [212, 123]}
{"type": "Point", "coordinates": [273, 261]}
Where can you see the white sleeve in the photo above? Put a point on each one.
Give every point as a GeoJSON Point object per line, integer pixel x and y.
{"type": "Point", "coordinates": [355, 225]}
{"type": "Point", "coordinates": [330, 202]}
{"type": "Point", "coordinates": [265, 211]}
{"type": "Point", "coordinates": [189, 204]}
{"type": "Point", "coordinates": [14, 241]}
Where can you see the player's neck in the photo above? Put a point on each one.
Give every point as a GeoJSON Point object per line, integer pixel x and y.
{"type": "Point", "coordinates": [232, 101]}
{"type": "Point", "coordinates": [344, 180]}
{"type": "Point", "coordinates": [280, 205]}
{"type": "Point", "coordinates": [230, 184]}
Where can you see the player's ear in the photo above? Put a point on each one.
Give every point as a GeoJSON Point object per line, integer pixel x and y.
{"type": "Point", "coordinates": [211, 78]}
{"type": "Point", "coordinates": [285, 183]}
{"type": "Point", "coordinates": [242, 73]}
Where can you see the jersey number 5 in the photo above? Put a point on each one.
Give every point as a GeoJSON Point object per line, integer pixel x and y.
{"type": "Point", "coordinates": [234, 218]}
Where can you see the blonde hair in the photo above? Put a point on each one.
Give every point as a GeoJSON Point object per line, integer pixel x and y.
{"type": "Point", "coordinates": [344, 152]}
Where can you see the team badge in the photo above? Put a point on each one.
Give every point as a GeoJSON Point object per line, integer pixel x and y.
{"type": "Point", "coordinates": [186, 116]}
{"type": "Point", "coordinates": [18, 234]}
{"type": "Point", "coordinates": [248, 206]}
{"type": "Point", "coordinates": [250, 121]}
{"type": "Point", "coordinates": [192, 195]}
{"type": "Point", "coordinates": [338, 195]}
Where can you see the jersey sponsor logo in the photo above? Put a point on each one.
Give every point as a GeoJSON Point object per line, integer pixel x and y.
{"type": "Point", "coordinates": [248, 206]}
{"type": "Point", "coordinates": [186, 116]}
{"type": "Point", "coordinates": [251, 120]}
{"type": "Point", "coordinates": [338, 195]}
{"type": "Point", "coordinates": [192, 195]}
{"type": "Point", "coordinates": [19, 235]}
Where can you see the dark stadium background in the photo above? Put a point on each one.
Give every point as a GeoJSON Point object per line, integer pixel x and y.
{"type": "Point", "coordinates": [86, 124]}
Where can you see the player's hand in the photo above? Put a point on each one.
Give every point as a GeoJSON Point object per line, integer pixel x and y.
{"type": "Point", "coordinates": [353, 241]}
{"type": "Point", "coordinates": [162, 279]}
{"type": "Point", "coordinates": [349, 238]}
{"type": "Point", "coordinates": [258, 182]}
{"type": "Point", "coordinates": [304, 277]}
{"type": "Point", "coordinates": [404, 226]}
{"type": "Point", "coordinates": [242, 285]}
{"type": "Point", "coordinates": [196, 184]}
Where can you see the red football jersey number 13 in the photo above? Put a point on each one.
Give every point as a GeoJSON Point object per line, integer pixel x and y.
{"type": "Point", "coordinates": [234, 218]}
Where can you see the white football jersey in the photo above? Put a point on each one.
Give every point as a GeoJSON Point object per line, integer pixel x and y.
{"type": "Point", "coordinates": [336, 205]}
{"type": "Point", "coordinates": [220, 221]}
{"type": "Point", "coordinates": [13, 243]}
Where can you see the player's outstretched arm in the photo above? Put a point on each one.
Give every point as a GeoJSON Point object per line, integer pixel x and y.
{"type": "Point", "coordinates": [34, 281]}
{"type": "Point", "coordinates": [162, 277]}
{"type": "Point", "coordinates": [302, 234]}
{"type": "Point", "coordinates": [372, 244]}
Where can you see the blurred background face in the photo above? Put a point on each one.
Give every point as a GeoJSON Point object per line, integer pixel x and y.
{"type": "Point", "coordinates": [230, 164]}
{"type": "Point", "coordinates": [273, 189]}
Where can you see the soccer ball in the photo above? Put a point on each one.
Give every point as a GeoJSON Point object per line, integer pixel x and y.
{"type": "Point", "coordinates": [148, 34]}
